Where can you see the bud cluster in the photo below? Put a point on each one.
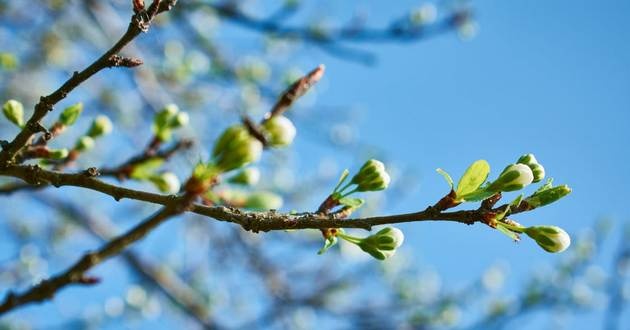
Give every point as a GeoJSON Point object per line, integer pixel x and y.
{"type": "Point", "coordinates": [167, 120]}
{"type": "Point", "coordinates": [101, 126]}
{"type": "Point", "coordinates": [372, 176]}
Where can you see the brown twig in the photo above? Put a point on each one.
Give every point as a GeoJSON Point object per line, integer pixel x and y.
{"type": "Point", "coordinates": [140, 22]}
{"type": "Point", "coordinates": [77, 273]}
{"type": "Point", "coordinates": [170, 284]}
{"type": "Point", "coordinates": [254, 221]}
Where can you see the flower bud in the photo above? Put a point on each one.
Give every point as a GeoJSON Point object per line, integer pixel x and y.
{"type": "Point", "coordinates": [84, 143]}
{"type": "Point", "coordinates": [70, 114]}
{"type": "Point", "coordinates": [551, 238]}
{"type": "Point", "coordinates": [527, 159]}
{"type": "Point", "coordinates": [514, 177]}
{"type": "Point", "coordinates": [14, 111]}
{"type": "Point", "coordinates": [236, 148]}
{"type": "Point", "coordinates": [100, 126]}
{"type": "Point", "coordinates": [547, 196]}
{"type": "Point", "coordinates": [263, 200]}
{"type": "Point", "coordinates": [280, 131]}
{"type": "Point", "coordinates": [383, 244]}
{"type": "Point", "coordinates": [537, 169]}
{"type": "Point", "coordinates": [249, 177]}
{"type": "Point", "coordinates": [371, 177]}
{"type": "Point", "coordinates": [166, 182]}
{"type": "Point", "coordinates": [58, 153]}
{"type": "Point", "coordinates": [182, 119]}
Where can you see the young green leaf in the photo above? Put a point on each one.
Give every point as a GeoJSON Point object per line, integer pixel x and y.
{"type": "Point", "coordinates": [446, 176]}
{"type": "Point", "coordinates": [473, 178]}
{"type": "Point", "coordinates": [477, 195]}
{"type": "Point", "coordinates": [354, 203]}
{"type": "Point", "coordinates": [146, 169]}
{"type": "Point", "coordinates": [330, 242]}
{"type": "Point", "coordinates": [342, 179]}
{"type": "Point", "coordinates": [514, 236]}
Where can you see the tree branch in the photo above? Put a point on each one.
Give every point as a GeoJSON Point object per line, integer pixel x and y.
{"type": "Point", "coordinates": [140, 22]}
{"type": "Point", "coordinates": [184, 298]}
{"type": "Point", "coordinates": [76, 274]}
{"type": "Point", "coordinates": [253, 221]}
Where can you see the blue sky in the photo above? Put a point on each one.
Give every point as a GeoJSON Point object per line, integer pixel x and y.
{"type": "Point", "coordinates": [547, 77]}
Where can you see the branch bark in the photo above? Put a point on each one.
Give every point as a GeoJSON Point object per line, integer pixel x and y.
{"type": "Point", "coordinates": [253, 221]}
{"type": "Point", "coordinates": [140, 22]}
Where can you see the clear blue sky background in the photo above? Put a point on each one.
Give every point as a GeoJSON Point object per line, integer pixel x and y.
{"type": "Point", "coordinates": [547, 77]}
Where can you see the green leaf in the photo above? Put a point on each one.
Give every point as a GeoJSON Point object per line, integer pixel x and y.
{"type": "Point", "coordinates": [354, 203]}
{"type": "Point", "coordinates": [146, 169]}
{"type": "Point", "coordinates": [446, 176]}
{"type": "Point", "coordinates": [328, 243]}
{"type": "Point", "coordinates": [473, 178]}
{"type": "Point", "coordinates": [477, 195]}
{"type": "Point", "coordinates": [517, 201]}
{"type": "Point", "coordinates": [344, 176]}
{"type": "Point", "coordinates": [546, 186]}
{"type": "Point", "coordinates": [514, 236]}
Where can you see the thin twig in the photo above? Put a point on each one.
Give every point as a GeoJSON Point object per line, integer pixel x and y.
{"type": "Point", "coordinates": [140, 22]}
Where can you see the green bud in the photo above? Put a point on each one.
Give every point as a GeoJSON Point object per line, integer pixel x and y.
{"type": "Point", "coordinates": [527, 159]}
{"type": "Point", "coordinates": [383, 244]}
{"type": "Point", "coordinates": [236, 148]}
{"type": "Point", "coordinates": [14, 111]}
{"type": "Point", "coordinates": [371, 177]}
{"type": "Point", "coordinates": [84, 143]}
{"type": "Point", "coordinates": [249, 177]}
{"type": "Point", "coordinates": [58, 153]}
{"type": "Point", "coordinates": [514, 177]}
{"type": "Point", "coordinates": [8, 61]}
{"type": "Point", "coordinates": [100, 126]}
{"type": "Point", "coordinates": [181, 119]}
{"type": "Point", "coordinates": [166, 182]}
{"type": "Point", "coordinates": [70, 114]}
{"type": "Point", "coordinates": [537, 170]}
{"type": "Point", "coordinates": [551, 238]}
{"type": "Point", "coordinates": [547, 196]}
{"type": "Point", "coordinates": [280, 131]}
{"type": "Point", "coordinates": [263, 200]}
{"type": "Point", "coordinates": [204, 172]}
{"type": "Point", "coordinates": [164, 118]}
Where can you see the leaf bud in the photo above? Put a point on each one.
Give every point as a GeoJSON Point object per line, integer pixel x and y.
{"type": "Point", "coordinates": [14, 112]}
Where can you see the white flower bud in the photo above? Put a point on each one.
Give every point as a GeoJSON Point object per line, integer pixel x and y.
{"type": "Point", "coordinates": [514, 177]}
{"type": "Point", "coordinates": [537, 169]}
{"type": "Point", "coordinates": [280, 131]}
{"type": "Point", "coordinates": [551, 238]}
{"type": "Point", "coordinates": [384, 243]}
